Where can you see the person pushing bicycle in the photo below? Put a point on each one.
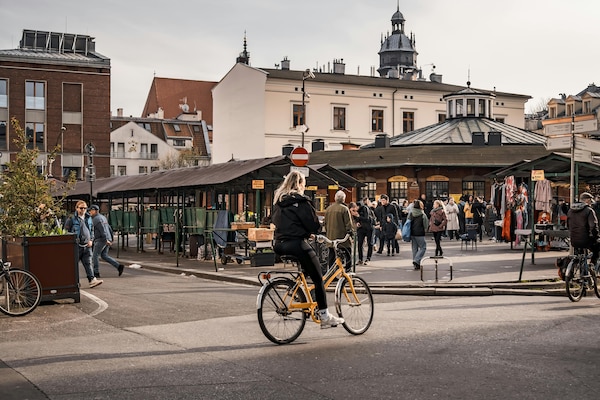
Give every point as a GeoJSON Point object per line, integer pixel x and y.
{"type": "Point", "coordinates": [295, 221]}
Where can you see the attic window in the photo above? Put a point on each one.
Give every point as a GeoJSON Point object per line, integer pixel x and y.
{"type": "Point", "coordinates": [196, 128]}
{"type": "Point", "coordinates": [176, 128]}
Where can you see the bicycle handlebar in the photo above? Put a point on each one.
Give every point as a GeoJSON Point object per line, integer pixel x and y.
{"type": "Point", "coordinates": [335, 242]}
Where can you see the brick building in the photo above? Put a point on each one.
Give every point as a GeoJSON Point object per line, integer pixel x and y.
{"type": "Point", "coordinates": [58, 87]}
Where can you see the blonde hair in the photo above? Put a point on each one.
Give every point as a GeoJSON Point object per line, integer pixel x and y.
{"type": "Point", "coordinates": [80, 203]}
{"type": "Point", "coordinates": [291, 184]}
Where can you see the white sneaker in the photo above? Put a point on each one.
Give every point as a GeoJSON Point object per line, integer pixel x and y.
{"type": "Point", "coordinates": [332, 321]}
{"type": "Point", "coordinates": [95, 282]}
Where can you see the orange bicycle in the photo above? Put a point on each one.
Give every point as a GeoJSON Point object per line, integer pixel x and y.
{"type": "Point", "coordinates": [285, 300]}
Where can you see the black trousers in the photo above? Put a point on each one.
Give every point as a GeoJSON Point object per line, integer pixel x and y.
{"type": "Point", "coordinates": [361, 235]}
{"type": "Point", "coordinates": [304, 252]}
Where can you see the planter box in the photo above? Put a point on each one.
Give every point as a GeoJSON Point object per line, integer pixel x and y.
{"type": "Point", "coordinates": [52, 259]}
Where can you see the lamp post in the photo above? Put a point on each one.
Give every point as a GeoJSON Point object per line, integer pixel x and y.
{"type": "Point", "coordinates": [572, 189]}
{"type": "Point", "coordinates": [90, 169]}
{"type": "Point", "coordinates": [305, 75]}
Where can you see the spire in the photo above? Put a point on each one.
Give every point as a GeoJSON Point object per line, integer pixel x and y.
{"type": "Point", "coordinates": [244, 56]}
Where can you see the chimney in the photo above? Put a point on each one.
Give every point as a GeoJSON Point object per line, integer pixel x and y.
{"type": "Point", "coordinates": [161, 113]}
{"type": "Point", "coordinates": [435, 78]}
{"type": "Point", "coordinates": [285, 64]}
{"type": "Point", "coordinates": [382, 140]}
{"type": "Point", "coordinates": [339, 67]}
{"type": "Point", "coordinates": [478, 139]}
{"type": "Point", "coordinates": [119, 112]}
{"type": "Point", "coordinates": [494, 138]}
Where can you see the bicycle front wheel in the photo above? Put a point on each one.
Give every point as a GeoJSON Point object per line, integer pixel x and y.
{"type": "Point", "coordinates": [354, 303]}
{"type": "Point", "coordinates": [574, 282]}
{"type": "Point", "coordinates": [594, 279]}
{"type": "Point", "coordinates": [20, 294]}
{"type": "Point", "coordinates": [279, 323]}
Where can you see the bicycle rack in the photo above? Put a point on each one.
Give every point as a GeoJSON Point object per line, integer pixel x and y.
{"type": "Point", "coordinates": [436, 260]}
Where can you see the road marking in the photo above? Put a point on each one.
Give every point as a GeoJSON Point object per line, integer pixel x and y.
{"type": "Point", "coordinates": [102, 305]}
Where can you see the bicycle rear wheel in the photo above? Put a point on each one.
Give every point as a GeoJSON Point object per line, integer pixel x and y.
{"type": "Point", "coordinates": [574, 282]}
{"type": "Point", "coordinates": [20, 293]}
{"type": "Point", "coordinates": [277, 321]}
{"type": "Point", "coordinates": [355, 306]}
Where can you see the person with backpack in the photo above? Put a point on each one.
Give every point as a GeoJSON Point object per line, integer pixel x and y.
{"type": "Point", "coordinates": [103, 238]}
{"type": "Point", "coordinates": [80, 223]}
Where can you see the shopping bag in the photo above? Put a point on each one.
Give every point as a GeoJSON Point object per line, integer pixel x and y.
{"type": "Point", "coordinates": [406, 231]}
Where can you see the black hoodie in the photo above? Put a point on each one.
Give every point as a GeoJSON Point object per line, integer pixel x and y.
{"type": "Point", "coordinates": [295, 218]}
{"type": "Point", "coordinates": [583, 225]}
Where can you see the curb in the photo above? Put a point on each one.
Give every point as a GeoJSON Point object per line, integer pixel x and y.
{"type": "Point", "coordinates": [407, 289]}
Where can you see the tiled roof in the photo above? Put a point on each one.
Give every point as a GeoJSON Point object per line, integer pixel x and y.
{"type": "Point", "coordinates": [169, 93]}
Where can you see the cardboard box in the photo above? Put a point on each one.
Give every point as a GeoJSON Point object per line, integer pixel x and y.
{"type": "Point", "coordinates": [260, 234]}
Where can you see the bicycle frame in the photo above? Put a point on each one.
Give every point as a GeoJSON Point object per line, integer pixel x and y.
{"type": "Point", "coordinates": [300, 283]}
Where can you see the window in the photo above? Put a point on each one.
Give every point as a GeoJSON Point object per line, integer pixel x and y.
{"type": "Point", "coordinates": [35, 135]}
{"type": "Point", "coordinates": [143, 170]}
{"type": "Point", "coordinates": [377, 121]}
{"type": "Point", "coordinates": [339, 118]}
{"type": "Point", "coordinates": [112, 170]}
{"type": "Point", "coordinates": [552, 111]}
{"type": "Point", "coordinates": [67, 171]}
{"type": "Point", "coordinates": [436, 189]}
{"type": "Point", "coordinates": [476, 188]}
{"type": "Point", "coordinates": [196, 128]}
{"type": "Point", "coordinates": [398, 190]}
{"type": "Point", "coordinates": [297, 117]}
{"type": "Point", "coordinates": [587, 107]}
{"type": "Point", "coordinates": [153, 151]}
{"type": "Point", "coordinates": [369, 191]}
{"type": "Point", "coordinates": [441, 118]}
{"type": "Point", "coordinates": [144, 150]}
{"type": "Point", "coordinates": [176, 128]}
{"type": "Point", "coordinates": [459, 107]}
{"type": "Point", "coordinates": [152, 169]}
{"type": "Point", "coordinates": [121, 150]}
{"type": "Point", "coordinates": [146, 125]}
{"type": "Point", "coordinates": [35, 95]}
{"type": "Point", "coordinates": [3, 93]}
{"type": "Point", "coordinates": [500, 119]}
{"type": "Point", "coordinates": [482, 112]}
{"type": "Point", "coordinates": [3, 138]}
{"type": "Point", "coordinates": [122, 170]}
{"type": "Point", "coordinates": [471, 107]}
{"type": "Point", "coordinates": [179, 142]}
{"type": "Point", "coordinates": [408, 121]}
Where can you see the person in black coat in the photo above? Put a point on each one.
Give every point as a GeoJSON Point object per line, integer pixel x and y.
{"type": "Point", "coordinates": [583, 226]}
{"type": "Point", "coordinates": [295, 220]}
{"type": "Point", "coordinates": [478, 210]}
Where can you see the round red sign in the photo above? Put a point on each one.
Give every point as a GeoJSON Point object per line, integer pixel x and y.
{"type": "Point", "coordinates": [299, 156]}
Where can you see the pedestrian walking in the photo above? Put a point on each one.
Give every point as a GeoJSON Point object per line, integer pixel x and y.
{"type": "Point", "coordinates": [80, 223]}
{"type": "Point", "coordinates": [453, 225]}
{"type": "Point", "coordinates": [389, 234]}
{"type": "Point", "coordinates": [418, 227]}
{"type": "Point", "coordinates": [337, 224]}
{"type": "Point", "coordinates": [437, 225]}
{"type": "Point", "coordinates": [364, 231]}
{"type": "Point", "coordinates": [103, 239]}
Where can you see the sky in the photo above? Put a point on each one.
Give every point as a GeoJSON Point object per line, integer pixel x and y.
{"type": "Point", "coordinates": [538, 48]}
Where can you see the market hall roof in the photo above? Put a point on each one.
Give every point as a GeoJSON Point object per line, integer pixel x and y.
{"type": "Point", "coordinates": [460, 155]}
{"type": "Point", "coordinates": [460, 131]}
{"type": "Point", "coordinates": [234, 176]}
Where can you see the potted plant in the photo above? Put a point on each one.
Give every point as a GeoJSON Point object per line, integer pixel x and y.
{"type": "Point", "coordinates": [30, 212]}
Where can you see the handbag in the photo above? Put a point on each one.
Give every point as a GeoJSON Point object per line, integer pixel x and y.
{"type": "Point", "coordinates": [436, 221]}
{"type": "Point", "coordinates": [406, 231]}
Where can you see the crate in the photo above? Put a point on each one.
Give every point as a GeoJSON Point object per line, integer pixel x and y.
{"type": "Point", "coordinates": [242, 225]}
{"type": "Point", "coordinates": [259, 259]}
{"type": "Point", "coordinates": [260, 234]}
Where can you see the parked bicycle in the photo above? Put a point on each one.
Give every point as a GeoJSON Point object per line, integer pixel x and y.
{"type": "Point", "coordinates": [285, 302]}
{"type": "Point", "coordinates": [581, 276]}
{"type": "Point", "coordinates": [20, 291]}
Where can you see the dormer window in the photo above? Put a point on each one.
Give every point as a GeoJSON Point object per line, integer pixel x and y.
{"type": "Point", "coordinates": [176, 128]}
{"type": "Point", "coordinates": [569, 109]}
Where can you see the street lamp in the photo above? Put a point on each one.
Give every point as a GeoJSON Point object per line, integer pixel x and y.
{"type": "Point", "coordinates": [90, 169]}
{"type": "Point", "coordinates": [572, 189]}
{"type": "Point", "coordinates": [304, 128]}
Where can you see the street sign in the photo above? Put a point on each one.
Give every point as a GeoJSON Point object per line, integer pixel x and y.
{"type": "Point", "coordinates": [299, 156]}
{"type": "Point", "coordinates": [302, 170]}
{"type": "Point", "coordinates": [565, 127]}
{"type": "Point", "coordinates": [583, 156]}
{"type": "Point", "coordinates": [558, 143]}
{"type": "Point", "coordinates": [537, 175]}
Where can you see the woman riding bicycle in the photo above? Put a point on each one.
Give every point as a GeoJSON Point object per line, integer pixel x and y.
{"type": "Point", "coordinates": [295, 220]}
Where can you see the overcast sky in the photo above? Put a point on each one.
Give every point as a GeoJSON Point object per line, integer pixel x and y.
{"type": "Point", "coordinates": [538, 48]}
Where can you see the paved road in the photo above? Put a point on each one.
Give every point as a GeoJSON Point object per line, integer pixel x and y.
{"type": "Point", "coordinates": [150, 335]}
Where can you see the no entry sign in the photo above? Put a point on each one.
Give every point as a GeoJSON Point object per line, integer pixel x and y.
{"type": "Point", "coordinates": [299, 156]}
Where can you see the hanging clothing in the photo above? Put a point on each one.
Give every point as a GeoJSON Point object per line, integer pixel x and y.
{"type": "Point", "coordinates": [543, 195]}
